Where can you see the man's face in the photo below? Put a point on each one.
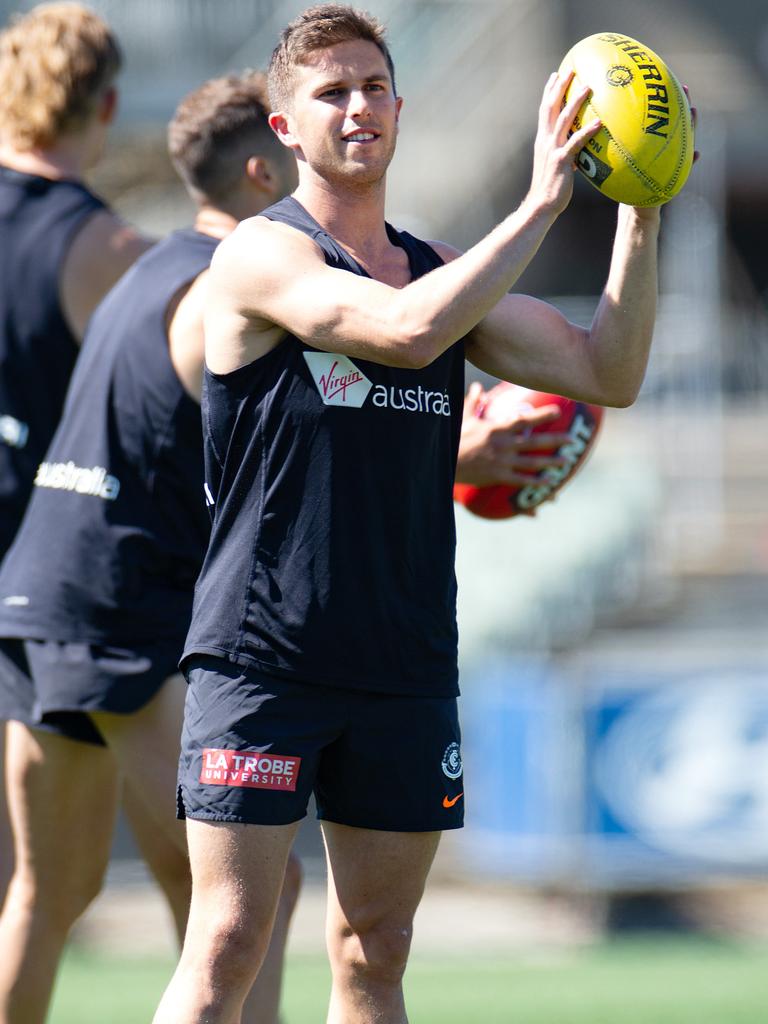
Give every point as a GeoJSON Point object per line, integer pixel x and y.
{"type": "Point", "coordinates": [343, 120]}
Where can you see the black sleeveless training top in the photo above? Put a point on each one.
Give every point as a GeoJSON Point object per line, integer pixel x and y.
{"type": "Point", "coordinates": [116, 528]}
{"type": "Point", "coordinates": [38, 220]}
{"type": "Point", "coordinates": [332, 551]}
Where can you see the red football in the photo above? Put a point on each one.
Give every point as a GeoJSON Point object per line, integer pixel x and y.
{"type": "Point", "coordinates": [577, 419]}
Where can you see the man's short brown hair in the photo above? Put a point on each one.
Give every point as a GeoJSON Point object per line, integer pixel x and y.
{"type": "Point", "coordinates": [318, 27]}
{"type": "Point", "coordinates": [217, 128]}
{"type": "Point", "coordinates": [55, 64]}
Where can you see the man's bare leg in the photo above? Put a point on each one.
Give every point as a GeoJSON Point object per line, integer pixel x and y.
{"type": "Point", "coordinates": [164, 855]}
{"type": "Point", "coordinates": [375, 883]}
{"type": "Point", "coordinates": [6, 839]}
{"type": "Point", "coordinates": [62, 799]}
{"type": "Point", "coordinates": [262, 1006]}
{"type": "Point", "coordinates": [163, 858]}
{"type": "Point", "coordinates": [146, 745]}
{"type": "Point", "coordinates": [237, 878]}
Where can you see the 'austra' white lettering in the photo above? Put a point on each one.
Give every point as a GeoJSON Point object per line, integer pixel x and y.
{"type": "Point", "coordinates": [416, 399]}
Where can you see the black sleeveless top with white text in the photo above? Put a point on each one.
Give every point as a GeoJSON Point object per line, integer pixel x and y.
{"type": "Point", "coordinates": [38, 220]}
{"type": "Point", "coordinates": [116, 528]}
{"type": "Point", "coordinates": [331, 558]}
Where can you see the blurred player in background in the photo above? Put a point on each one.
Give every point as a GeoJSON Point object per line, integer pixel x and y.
{"type": "Point", "coordinates": [62, 249]}
{"type": "Point", "coordinates": [110, 547]}
{"type": "Point", "coordinates": [322, 650]}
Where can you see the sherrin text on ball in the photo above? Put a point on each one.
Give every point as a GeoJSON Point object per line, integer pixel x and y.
{"type": "Point", "coordinates": [643, 152]}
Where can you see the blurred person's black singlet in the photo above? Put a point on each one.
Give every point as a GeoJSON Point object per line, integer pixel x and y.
{"type": "Point", "coordinates": [38, 220]}
{"type": "Point", "coordinates": [112, 542]}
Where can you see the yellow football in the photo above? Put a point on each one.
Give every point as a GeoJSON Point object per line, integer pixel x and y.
{"type": "Point", "coordinates": [643, 152]}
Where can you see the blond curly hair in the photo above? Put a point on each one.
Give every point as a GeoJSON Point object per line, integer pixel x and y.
{"type": "Point", "coordinates": [55, 63]}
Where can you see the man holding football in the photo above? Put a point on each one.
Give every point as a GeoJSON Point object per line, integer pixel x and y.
{"type": "Point", "coordinates": [322, 651]}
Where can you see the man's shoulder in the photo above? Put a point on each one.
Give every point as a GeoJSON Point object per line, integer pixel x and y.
{"type": "Point", "coordinates": [104, 248]}
{"type": "Point", "coordinates": [100, 253]}
{"type": "Point", "coordinates": [446, 252]}
{"type": "Point", "coordinates": [260, 242]}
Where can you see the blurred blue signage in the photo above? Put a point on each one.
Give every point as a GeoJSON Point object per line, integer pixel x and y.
{"type": "Point", "coordinates": [522, 770]}
{"type": "Point", "coordinates": [676, 773]}
{"type": "Point", "coordinates": [644, 777]}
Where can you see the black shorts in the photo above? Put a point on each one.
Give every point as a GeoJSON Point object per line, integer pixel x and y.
{"type": "Point", "coordinates": [254, 747]}
{"type": "Point", "coordinates": [52, 685]}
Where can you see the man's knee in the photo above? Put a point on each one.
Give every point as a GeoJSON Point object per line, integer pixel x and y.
{"type": "Point", "coordinates": [372, 948]}
{"type": "Point", "coordinates": [58, 898]}
{"type": "Point", "coordinates": [229, 942]}
{"type": "Point", "coordinates": [82, 887]}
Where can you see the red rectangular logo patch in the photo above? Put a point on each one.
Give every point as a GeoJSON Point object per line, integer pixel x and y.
{"type": "Point", "coordinates": [249, 768]}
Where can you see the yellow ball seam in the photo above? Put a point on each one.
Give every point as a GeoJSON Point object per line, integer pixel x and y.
{"type": "Point", "coordinates": [682, 104]}
{"type": "Point", "coordinates": [629, 160]}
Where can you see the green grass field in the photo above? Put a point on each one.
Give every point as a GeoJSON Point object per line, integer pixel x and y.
{"type": "Point", "coordinates": [628, 982]}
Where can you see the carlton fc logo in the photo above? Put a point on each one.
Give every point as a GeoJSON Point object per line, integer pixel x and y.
{"type": "Point", "coordinates": [338, 379]}
{"type": "Point", "coordinates": [452, 766]}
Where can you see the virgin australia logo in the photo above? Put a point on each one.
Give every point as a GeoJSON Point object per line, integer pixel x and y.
{"type": "Point", "coordinates": [338, 379]}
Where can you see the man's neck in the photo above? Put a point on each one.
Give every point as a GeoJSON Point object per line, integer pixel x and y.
{"type": "Point", "coordinates": [56, 163]}
{"type": "Point", "coordinates": [210, 220]}
{"type": "Point", "coordinates": [355, 218]}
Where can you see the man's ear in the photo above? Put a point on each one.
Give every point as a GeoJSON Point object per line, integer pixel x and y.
{"type": "Point", "coordinates": [259, 173]}
{"type": "Point", "coordinates": [108, 105]}
{"type": "Point", "coordinates": [281, 126]}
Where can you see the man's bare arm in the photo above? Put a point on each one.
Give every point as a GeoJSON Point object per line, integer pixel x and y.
{"type": "Point", "coordinates": [531, 343]}
{"type": "Point", "coordinates": [186, 342]}
{"type": "Point", "coordinates": [100, 253]}
{"type": "Point", "coordinates": [267, 278]}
